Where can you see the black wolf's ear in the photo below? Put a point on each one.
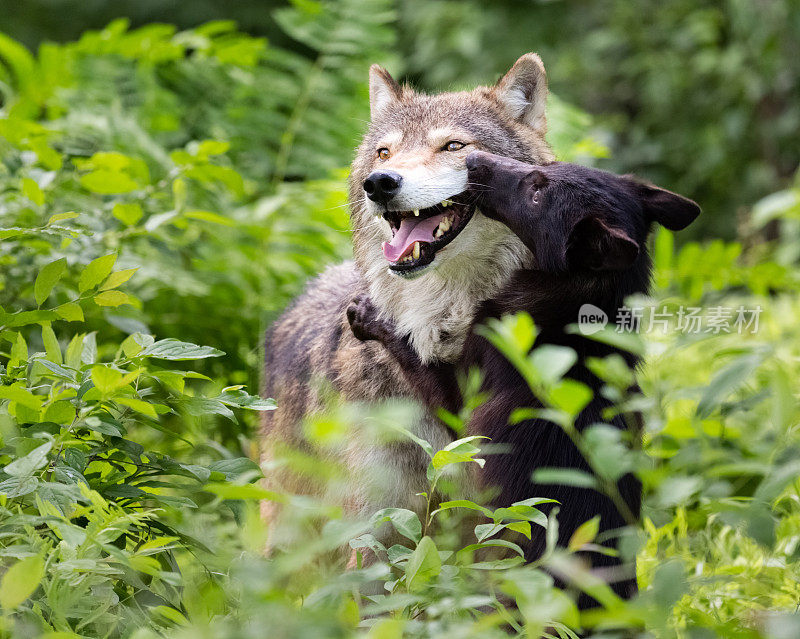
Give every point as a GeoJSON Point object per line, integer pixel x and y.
{"type": "Point", "coordinates": [596, 245]}
{"type": "Point", "coordinates": [383, 90]}
{"type": "Point", "coordinates": [667, 208]}
{"type": "Point", "coordinates": [523, 92]}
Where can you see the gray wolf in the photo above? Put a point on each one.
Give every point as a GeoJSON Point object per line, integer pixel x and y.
{"type": "Point", "coordinates": [412, 159]}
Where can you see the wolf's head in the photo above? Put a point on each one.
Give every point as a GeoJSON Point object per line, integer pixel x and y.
{"type": "Point", "coordinates": [428, 254]}
{"type": "Point", "coordinates": [581, 219]}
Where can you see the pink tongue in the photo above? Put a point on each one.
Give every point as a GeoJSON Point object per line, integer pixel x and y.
{"type": "Point", "coordinates": [411, 230]}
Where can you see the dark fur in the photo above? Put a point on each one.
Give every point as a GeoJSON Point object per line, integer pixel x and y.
{"type": "Point", "coordinates": [587, 230]}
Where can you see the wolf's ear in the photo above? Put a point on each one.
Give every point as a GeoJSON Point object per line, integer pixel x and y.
{"type": "Point", "coordinates": [523, 92]}
{"type": "Point", "coordinates": [669, 209]}
{"type": "Point", "coordinates": [596, 245]}
{"type": "Point", "coordinates": [383, 90]}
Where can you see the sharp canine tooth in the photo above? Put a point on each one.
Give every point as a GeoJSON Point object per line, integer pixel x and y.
{"type": "Point", "coordinates": [415, 251]}
{"type": "Point", "coordinates": [416, 212]}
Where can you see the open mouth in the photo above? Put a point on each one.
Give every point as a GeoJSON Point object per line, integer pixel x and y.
{"type": "Point", "coordinates": [418, 235]}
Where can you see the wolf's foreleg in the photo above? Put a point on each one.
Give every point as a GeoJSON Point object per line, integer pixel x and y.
{"type": "Point", "coordinates": [434, 384]}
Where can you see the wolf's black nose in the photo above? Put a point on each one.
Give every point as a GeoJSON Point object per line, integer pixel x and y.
{"type": "Point", "coordinates": [382, 186]}
{"type": "Point", "coordinates": [478, 167]}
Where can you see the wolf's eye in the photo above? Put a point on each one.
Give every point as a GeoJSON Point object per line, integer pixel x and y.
{"type": "Point", "coordinates": [453, 145]}
{"type": "Point", "coordinates": [383, 153]}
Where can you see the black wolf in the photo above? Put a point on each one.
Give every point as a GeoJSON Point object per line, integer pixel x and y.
{"type": "Point", "coordinates": [587, 231]}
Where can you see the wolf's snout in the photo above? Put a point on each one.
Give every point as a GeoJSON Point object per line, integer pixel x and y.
{"type": "Point", "coordinates": [382, 186]}
{"type": "Point", "coordinates": [479, 165]}
{"type": "Point", "coordinates": [477, 159]}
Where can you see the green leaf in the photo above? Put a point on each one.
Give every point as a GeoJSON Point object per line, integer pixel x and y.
{"type": "Point", "coordinates": [423, 565]}
{"type": "Point", "coordinates": [175, 350]}
{"type": "Point", "coordinates": [726, 381]}
{"type": "Point", "coordinates": [445, 458]}
{"type": "Point", "coordinates": [57, 369]}
{"type": "Point", "coordinates": [29, 464]}
{"type": "Point", "coordinates": [368, 541]}
{"type": "Point", "coordinates": [484, 531]}
{"type": "Point", "coordinates": [18, 486]}
{"type": "Point", "coordinates": [89, 349]}
{"type": "Point", "coordinates": [242, 399]}
{"type": "Point", "coordinates": [461, 503]}
{"type": "Point", "coordinates": [60, 217]}
{"type": "Point", "coordinates": [202, 406]}
{"type": "Point", "coordinates": [167, 612]}
{"type": "Point", "coordinates": [570, 396]}
{"type": "Point", "coordinates": [18, 393]}
{"type": "Point", "coordinates": [522, 527]}
{"type": "Point", "coordinates": [234, 468]}
{"type": "Point", "coordinates": [18, 59]}
{"type": "Point", "coordinates": [106, 379]}
{"type": "Point", "coordinates": [31, 190]}
{"type": "Point", "coordinates": [47, 278]}
{"type": "Point", "coordinates": [51, 345]}
{"type": "Point", "coordinates": [96, 271]}
{"type": "Point", "coordinates": [521, 510]}
{"type": "Point", "coordinates": [775, 206]}
{"type": "Point", "coordinates": [522, 330]}
{"type": "Point", "coordinates": [24, 318]}
{"type": "Point", "coordinates": [631, 342]}
{"type": "Point", "coordinates": [140, 406]}
{"type": "Point", "coordinates": [111, 298]}
{"type": "Point", "coordinates": [128, 214]}
{"type": "Point", "coordinates": [244, 491]}
{"type": "Point", "coordinates": [208, 216]}
{"type": "Point", "coordinates": [59, 412]}
{"type": "Point", "coordinates": [584, 534]}
{"type": "Point", "coordinates": [609, 456]}
{"type": "Point", "coordinates": [387, 629]}
{"type": "Point", "coordinates": [426, 446]}
{"type": "Point", "coordinates": [117, 278]}
{"type": "Point", "coordinates": [552, 361]}
{"type": "Point", "coordinates": [776, 479]}
{"type": "Point", "coordinates": [135, 343]}
{"type": "Point", "coordinates": [565, 476]}
{"type": "Point", "coordinates": [20, 582]}
{"type": "Point", "coordinates": [495, 543]}
{"type": "Point", "coordinates": [19, 351]}
{"type": "Point", "coordinates": [406, 522]}
{"type": "Point", "coordinates": [106, 182]}
{"type": "Point", "coordinates": [72, 356]}
{"type": "Point", "coordinates": [71, 312]}
{"type": "Point", "coordinates": [211, 147]}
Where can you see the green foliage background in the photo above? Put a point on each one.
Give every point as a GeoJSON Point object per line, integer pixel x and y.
{"type": "Point", "coordinates": [699, 96]}
{"type": "Point", "coordinates": [164, 193]}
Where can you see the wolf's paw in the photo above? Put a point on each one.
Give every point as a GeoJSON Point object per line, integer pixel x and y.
{"type": "Point", "coordinates": [364, 321]}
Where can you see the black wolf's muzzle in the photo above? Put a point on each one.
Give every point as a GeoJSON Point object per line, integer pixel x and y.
{"type": "Point", "coordinates": [495, 180]}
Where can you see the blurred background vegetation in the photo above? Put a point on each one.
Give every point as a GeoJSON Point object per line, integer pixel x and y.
{"type": "Point", "coordinates": [700, 96]}
{"type": "Point", "coordinates": [212, 158]}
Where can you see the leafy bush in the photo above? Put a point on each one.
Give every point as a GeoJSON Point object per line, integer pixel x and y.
{"type": "Point", "coordinates": [161, 196]}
